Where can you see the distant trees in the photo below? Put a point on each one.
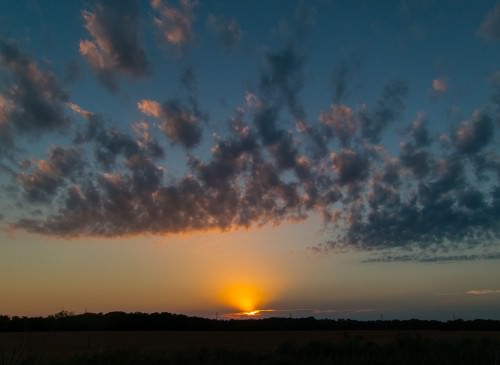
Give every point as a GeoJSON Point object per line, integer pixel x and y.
{"type": "Point", "coordinates": [122, 321]}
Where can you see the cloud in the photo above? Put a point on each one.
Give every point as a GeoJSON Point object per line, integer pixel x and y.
{"type": "Point", "coordinates": [282, 79]}
{"type": "Point", "coordinates": [272, 164]}
{"type": "Point", "coordinates": [422, 200]}
{"type": "Point", "coordinates": [423, 257]}
{"type": "Point", "coordinates": [150, 107]}
{"type": "Point", "coordinates": [490, 26]}
{"type": "Point", "coordinates": [445, 204]}
{"type": "Point", "coordinates": [228, 31]}
{"type": "Point", "coordinates": [342, 120]}
{"type": "Point", "coordinates": [6, 137]}
{"type": "Point", "coordinates": [116, 47]}
{"type": "Point", "coordinates": [350, 166]}
{"type": "Point", "coordinates": [483, 292]}
{"type": "Point", "coordinates": [111, 143]}
{"type": "Point", "coordinates": [343, 77]}
{"type": "Point", "coordinates": [388, 109]}
{"type": "Point", "coordinates": [79, 110]}
{"type": "Point", "coordinates": [439, 86]}
{"type": "Point", "coordinates": [174, 24]}
{"type": "Point", "coordinates": [49, 175]}
{"type": "Point", "coordinates": [178, 122]}
{"type": "Point", "coordinates": [472, 136]}
{"type": "Point", "coordinates": [32, 101]}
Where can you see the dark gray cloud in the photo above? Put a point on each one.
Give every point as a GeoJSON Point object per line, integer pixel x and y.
{"type": "Point", "coordinates": [282, 79]}
{"type": "Point", "coordinates": [473, 136]}
{"type": "Point", "coordinates": [388, 109]}
{"type": "Point", "coordinates": [350, 166]}
{"type": "Point", "coordinates": [344, 79]}
{"type": "Point", "coordinates": [116, 47]}
{"type": "Point", "coordinates": [41, 184]}
{"type": "Point", "coordinates": [111, 143]}
{"type": "Point", "coordinates": [228, 31]}
{"type": "Point", "coordinates": [419, 132]}
{"type": "Point", "coordinates": [426, 258]}
{"type": "Point", "coordinates": [418, 161]}
{"type": "Point", "coordinates": [32, 101]}
{"type": "Point", "coordinates": [342, 122]}
{"type": "Point", "coordinates": [490, 26]}
{"type": "Point", "coordinates": [189, 81]}
{"type": "Point", "coordinates": [179, 122]}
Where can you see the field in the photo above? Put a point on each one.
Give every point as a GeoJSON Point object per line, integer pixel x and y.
{"type": "Point", "coordinates": [252, 347]}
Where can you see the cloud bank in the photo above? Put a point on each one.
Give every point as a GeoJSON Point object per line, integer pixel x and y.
{"type": "Point", "coordinates": [274, 161]}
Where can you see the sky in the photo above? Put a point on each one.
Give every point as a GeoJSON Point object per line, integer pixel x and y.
{"type": "Point", "coordinates": [238, 159]}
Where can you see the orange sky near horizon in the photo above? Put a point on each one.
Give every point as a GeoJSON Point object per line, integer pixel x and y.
{"type": "Point", "coordinates": [268, 268]}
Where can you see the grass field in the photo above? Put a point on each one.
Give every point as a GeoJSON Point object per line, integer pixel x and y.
{"type": "Point", "coordinates": [259, 347]}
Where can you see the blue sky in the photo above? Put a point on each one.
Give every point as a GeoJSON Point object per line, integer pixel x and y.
{"type": "Point", "coordinates": [336, 142]}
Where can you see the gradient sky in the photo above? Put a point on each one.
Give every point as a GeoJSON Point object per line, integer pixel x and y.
{"type": "Point", "coordinates": [330, 158]}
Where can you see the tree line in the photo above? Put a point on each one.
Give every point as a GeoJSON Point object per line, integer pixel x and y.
{"type": "Point", "coordinates": [122, 321]}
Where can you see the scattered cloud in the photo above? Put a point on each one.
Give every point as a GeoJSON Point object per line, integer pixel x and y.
{"type": "Point", "coordinates": [115, 48]}
{"type": "Point", "coordinates": [422, 198]}
{"type": "Point", "coordinates": [418, 200]}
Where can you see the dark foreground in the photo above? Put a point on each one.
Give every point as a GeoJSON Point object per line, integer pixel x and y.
{"type": "Point", "coordinates": [253, 347]}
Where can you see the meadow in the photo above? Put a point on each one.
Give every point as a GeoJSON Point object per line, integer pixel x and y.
{"type": "Point", "coordinates": [250, 347]}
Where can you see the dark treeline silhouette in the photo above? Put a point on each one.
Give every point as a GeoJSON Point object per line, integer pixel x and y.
{"type": "Point", "coordinates": [122, 321]}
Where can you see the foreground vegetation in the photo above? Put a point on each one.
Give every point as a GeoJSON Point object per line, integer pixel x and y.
{"type": "Point", "coordinates": [164, 338]}
{"type": "Point", "coordinates": [406, 348]}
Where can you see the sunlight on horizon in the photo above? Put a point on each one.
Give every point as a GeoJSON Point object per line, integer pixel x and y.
{"type": "Point", "coordinates": [246, 298]}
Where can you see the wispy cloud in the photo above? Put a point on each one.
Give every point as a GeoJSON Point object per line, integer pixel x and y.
{"type": "Point", "coordinates": [425, 257]}
{"type": "Point", "coordinates": [483, 292]}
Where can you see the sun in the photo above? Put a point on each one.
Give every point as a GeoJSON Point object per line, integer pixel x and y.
{"type": "Point", "coordinates": [251, 313]}
{"type": "Point", "coordinates": [244, 297]}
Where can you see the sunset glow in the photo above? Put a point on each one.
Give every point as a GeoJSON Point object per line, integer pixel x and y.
{"type": "Point", "coordinates": [243, 297]}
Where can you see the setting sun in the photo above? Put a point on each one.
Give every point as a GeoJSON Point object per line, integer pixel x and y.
{"type": "Point", "coordinates": [252, 313]}
{"type": "Point", "coordinates": [244, 297]}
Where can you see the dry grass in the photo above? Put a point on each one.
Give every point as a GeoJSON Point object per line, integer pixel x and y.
{"type": "Point", "coordinates": [64, 343]}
